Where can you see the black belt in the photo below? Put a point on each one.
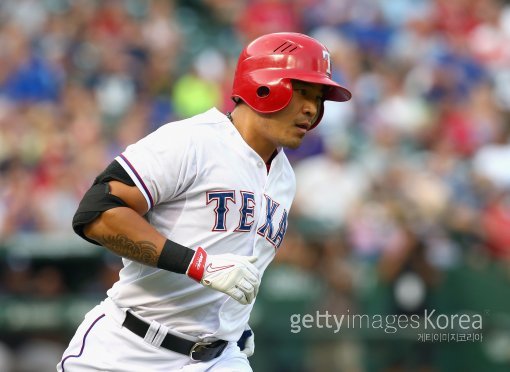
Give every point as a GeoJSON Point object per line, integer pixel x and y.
{"type": "Point", "coordinates": [203, 351]}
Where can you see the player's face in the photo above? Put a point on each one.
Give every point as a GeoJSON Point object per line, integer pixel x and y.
{"type": "Point", "coordinates": [288, 127]}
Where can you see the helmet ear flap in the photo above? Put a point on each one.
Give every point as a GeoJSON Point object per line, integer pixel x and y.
{"type": "Point", "coordinates": [266, 94]}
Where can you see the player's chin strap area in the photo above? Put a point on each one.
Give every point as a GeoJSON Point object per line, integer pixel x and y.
{"type": "Point", "coordinates": [199, 351]}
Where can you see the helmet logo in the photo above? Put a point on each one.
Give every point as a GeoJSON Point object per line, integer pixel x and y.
{"type": "Point", "coordinates": [325, 55]}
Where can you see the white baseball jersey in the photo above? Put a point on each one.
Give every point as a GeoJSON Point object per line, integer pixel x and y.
{"type": "Point", "coordinates": [204, 186]}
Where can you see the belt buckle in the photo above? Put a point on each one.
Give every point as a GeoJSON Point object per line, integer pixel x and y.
{"type": "Point", "coordinates": [197, 347]}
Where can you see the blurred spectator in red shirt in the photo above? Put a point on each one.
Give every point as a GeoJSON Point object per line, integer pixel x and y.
{"type": "Point", "coordinates": [266, 16]}
{"type": "Point", "coordinates": [496, 223]}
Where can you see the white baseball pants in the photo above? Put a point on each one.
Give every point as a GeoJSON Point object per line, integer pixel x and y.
{"type": "Point", "coordinates": [102, 344]}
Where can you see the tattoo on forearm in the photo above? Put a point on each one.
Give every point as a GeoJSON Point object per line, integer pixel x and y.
{"type": "Point", "coordinates": [143, 251]}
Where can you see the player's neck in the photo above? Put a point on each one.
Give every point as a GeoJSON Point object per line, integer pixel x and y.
{"type": "Point", "coordinates": [245, 124]}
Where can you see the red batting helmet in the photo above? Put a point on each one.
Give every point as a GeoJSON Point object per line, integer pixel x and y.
{"type": "Point", "coordinates": [267, 65]}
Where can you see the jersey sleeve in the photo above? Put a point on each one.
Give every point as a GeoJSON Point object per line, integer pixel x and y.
{"type": "Point", "coordinates": [163, 164]}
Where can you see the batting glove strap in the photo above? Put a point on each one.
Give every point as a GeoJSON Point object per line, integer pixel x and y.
{"type": "Point", "coordinates": [197, 265]}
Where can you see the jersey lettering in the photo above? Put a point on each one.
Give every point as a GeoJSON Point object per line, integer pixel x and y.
{"type": "Point", "coordinates": [247, 211]}
{"type": "Point", "coordinates": [271, 207]}
{"type": "Point", "coordinates": [277, 239]}
{"type": "Point", "coordinates": [246, 215]}
{"type": "Point", "coordinates": [221, 198]}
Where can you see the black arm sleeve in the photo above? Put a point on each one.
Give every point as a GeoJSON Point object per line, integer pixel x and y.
{"type": "Point", "coordinates": [98, 199]}
{"type": "Point", "coordinates": [114, 172]}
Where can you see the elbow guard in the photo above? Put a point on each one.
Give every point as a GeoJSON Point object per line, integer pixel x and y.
{"type": "Point", "coordinates": [98, 198]}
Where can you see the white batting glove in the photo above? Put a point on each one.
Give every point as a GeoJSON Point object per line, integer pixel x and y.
{"type": "Point", "coordinates": [247, 342]}
{"type": "Point", "coordinates": [229, 273]}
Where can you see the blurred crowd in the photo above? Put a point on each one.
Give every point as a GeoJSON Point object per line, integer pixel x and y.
{"type": "Point", "coordinates": [411, 177]}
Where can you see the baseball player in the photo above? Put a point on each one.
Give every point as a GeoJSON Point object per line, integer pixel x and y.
{"type": "Point", "coordinates": [198, 209]}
